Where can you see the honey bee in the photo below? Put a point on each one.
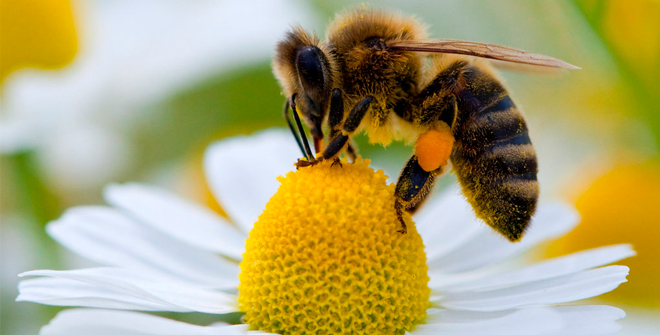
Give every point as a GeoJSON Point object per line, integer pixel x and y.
{"type": "Point", "coordinates": [377, 72]}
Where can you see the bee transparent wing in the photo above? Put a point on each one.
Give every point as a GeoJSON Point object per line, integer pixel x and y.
{"type": "Point", "coordinates": [525, 68]}
{"type": "Point", "coordinates": [476, 49]}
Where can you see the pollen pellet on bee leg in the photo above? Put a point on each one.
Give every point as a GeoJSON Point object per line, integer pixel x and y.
{"type": "Point", "coordinates": [434, 147]}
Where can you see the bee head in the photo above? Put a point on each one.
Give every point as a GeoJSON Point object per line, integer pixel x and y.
{"type": "Point", "coordinates": [303, 66]}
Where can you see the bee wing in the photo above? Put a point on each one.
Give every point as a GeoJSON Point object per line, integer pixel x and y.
{"type": "Point", "coordinates": [476, 49]}
{"type": "Point", "coordinates": [526, 68]}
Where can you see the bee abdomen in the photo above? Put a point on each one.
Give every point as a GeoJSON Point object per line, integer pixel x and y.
{"type": "Point", "coordinates": [496, 165]}
{"type": "Point", "coordinates": [510, 159]}
{"type": "Point", "coordinates": [494, 125]}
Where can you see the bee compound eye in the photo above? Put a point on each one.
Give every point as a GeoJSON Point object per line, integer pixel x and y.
{"type": "Point", "coordinates": [310, 67]}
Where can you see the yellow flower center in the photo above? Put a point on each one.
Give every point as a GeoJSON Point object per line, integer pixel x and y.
{"type": "Point", "coordinates": [325, 257]}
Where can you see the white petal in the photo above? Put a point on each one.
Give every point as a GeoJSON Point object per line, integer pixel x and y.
{"type": "Point", "coordinates": [590, 320]}
{"type": "Point", "coordinates": [101, 322]}
{"type": "Point", "coordinates": [446, 223]}
{"type": "Point", "coordinates": [179, 218]}
{"type": "Point", "coordinates": [553, 268]}
{"type": "Point", "coordinates": [65, 292]}
{"type": "Point", "coordinates": [568, 288]}
{"type": "Point", "coordinates": [106, 236]}
{"type": "Point", "coordinates": [529, 321]}
{"type": "Point", "coordinates": [486, 248]}
{"type": "Point", "coordinates": [564, 320]}
{"type": "Point", "coordinates": [242, 172]}
{"type": "Point", "coordinates": [144, 289]}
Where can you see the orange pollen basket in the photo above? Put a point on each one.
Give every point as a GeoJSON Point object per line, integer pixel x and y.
{"type": "Point", "coordinates": [434, 147]}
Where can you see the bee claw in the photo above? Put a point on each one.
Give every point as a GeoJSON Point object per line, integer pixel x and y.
{"type": "Point", "coordinates": [337, 162]}
{"type": "Point", "coordinates": [305, 163]}
{"type": "Point", "coordinates": [398, 207]}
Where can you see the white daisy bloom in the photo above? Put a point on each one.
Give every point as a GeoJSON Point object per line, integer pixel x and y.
{"type": "Point", "coordinates": [162, 253]}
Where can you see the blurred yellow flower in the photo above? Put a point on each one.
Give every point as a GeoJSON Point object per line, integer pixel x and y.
{"type": "Point", "coordinates": [634, 32]}
{"type": "Point", "coordinates": [38, 33]}
{"type": "Point", "coordinates": [623, 206]}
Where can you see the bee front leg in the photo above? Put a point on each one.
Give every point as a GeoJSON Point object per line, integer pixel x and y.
{"type": "Point", "coordinates": [336, 115]}
{"type": "Point", "coordinates": [412, 187]}
{"type": "Point", "coordinates": [351, 150]}
{"type": "Point", "coordinates": [341, 136]}
{"type": "Point", "coordinates": [351, 124]}
{"type": "Point", "coordinates": [335, 119]}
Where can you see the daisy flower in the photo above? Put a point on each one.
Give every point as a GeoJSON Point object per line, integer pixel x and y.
{"type": "Point", "coordinates": [323, 257]}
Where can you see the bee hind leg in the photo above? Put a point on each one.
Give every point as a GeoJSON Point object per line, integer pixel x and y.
{"type": "Point", "coordinates": [412, 187]}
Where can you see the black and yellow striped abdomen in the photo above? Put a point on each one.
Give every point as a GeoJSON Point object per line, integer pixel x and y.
{"type": "Point", "coordinates": [493, 156]}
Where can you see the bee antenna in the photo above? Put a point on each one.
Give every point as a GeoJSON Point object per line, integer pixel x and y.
{"type": "Point", "coordinates": [308, 152]}
{"type": "Point", "coordinates": [293, 131]}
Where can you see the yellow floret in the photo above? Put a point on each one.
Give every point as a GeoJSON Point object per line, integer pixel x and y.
{"type": "Point", "coordinates": [325, 257]}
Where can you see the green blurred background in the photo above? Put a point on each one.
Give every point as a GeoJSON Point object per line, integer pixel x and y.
{"type": "Point", "coordinates": [96, 92]}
